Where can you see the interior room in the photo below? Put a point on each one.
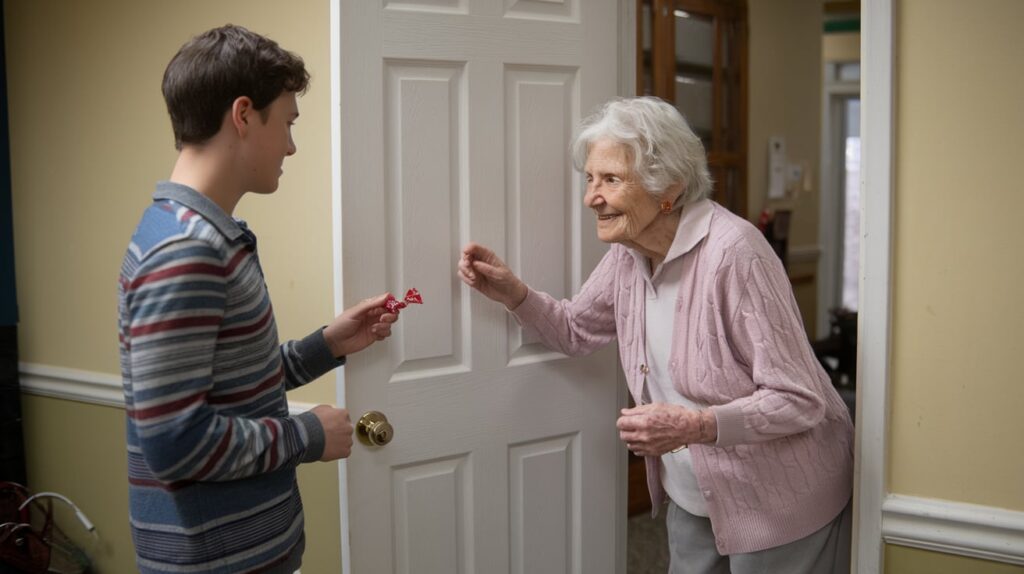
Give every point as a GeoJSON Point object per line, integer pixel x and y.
{"type": "Point", "coordinates": [902, 256]}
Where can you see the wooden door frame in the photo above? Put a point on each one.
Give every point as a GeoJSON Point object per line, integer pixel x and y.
{"type": "Point", "coordinates": [874, 337]}
{"type": "Point", "coordinates": [723, 161]}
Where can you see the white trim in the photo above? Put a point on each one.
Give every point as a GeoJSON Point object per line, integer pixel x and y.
{"type": "Point", "coordinates": [954, 528]}
{"type": "Point", "coordinates": [339, 277]}
{"type": "Point", "coordinates": [71, 384]}
{"type": "Point", "coordinates": [627, 87]}
{"type": "Point", "coordinates": [88, 386]}
{"type": "Point", "coordinates": [873, 338]}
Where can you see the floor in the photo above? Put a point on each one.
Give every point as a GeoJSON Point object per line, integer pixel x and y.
{"type": "Point", "coordinates": [646, 545]}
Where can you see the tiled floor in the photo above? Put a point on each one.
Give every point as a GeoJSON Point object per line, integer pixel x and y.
{"type": "Point", "coordinates": [646, 545]}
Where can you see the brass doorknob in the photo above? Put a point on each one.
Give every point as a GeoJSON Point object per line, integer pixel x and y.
{"type": "Point", "coordinates": [373, 429]}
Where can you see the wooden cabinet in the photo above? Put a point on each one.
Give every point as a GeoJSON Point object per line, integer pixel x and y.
{"type": "Point", "coordinates": [693, 53]}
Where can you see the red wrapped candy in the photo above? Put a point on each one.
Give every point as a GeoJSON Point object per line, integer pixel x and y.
{"type": "Point", "coordinates": [393, 305]}
{"type": "Point", "coordinates": [413, 296]}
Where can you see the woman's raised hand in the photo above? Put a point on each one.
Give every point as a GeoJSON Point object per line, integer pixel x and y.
{"type": "Point", "coordinates": [482, 270]}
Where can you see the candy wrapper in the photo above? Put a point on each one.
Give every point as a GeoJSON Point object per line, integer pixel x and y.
{"type": "Point", "coordinates": [393, 305]}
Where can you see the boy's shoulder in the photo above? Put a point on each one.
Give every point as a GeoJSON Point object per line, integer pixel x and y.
{"type": "Point", "coordinates": [165, 223]}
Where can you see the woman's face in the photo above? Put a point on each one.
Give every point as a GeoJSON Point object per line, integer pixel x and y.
{"type": "Point", "coordinates": [624, 208]}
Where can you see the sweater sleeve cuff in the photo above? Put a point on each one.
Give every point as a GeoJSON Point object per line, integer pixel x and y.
{"type": "Point", "coordinates": [529, 311]}
{"type": "Point", "coordinates": [315, 439]}
{"type": "Point", "coordinates": [316, 355]}
{"type": "Point", "coordinates": [731, 430]}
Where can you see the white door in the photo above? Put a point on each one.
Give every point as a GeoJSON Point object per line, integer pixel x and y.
{"type": "Point", "coordinates": [456, 116]}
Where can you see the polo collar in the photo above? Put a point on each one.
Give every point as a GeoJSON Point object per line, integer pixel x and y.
{"type": "Point", "coordinates": [204, 206]}
{"type": "Point", "coordinates": [693, 227]}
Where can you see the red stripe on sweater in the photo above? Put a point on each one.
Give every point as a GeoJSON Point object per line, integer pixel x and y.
{"type": "Point", "coordinates": [166, 486]}
{"type": "Point", "coordinates": [217, 454]}
{"type": "Point", "coordinates": [236, 259]}
{"type": "Point", "coordinates": [178, 270]}
{"type": "Point", "coordinates": [242, 395]}
{"type": "Point", "coordinates": [273, 443]}
{"type": "Point", "coordinates": [179, 323]}
{"type": "Point", "coordinates": [164, 408]}
{"type": "Point", "coordinates": [247, 329]}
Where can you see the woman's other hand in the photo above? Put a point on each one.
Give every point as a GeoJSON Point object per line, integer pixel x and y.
{"type": "Point", "coordinates": [657, 428]}
{"type": "Point", "coordinates": [482, 270]}
{"type": "Point", "coordinates": [359, 326]}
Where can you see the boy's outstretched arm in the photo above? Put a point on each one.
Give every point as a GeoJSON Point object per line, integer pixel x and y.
{"type": "Point", "coordinates": [355, 329]}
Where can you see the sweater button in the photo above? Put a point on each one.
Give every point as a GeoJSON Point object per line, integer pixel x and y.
{"type": "Point", "coordinates": [644, 369]}
{"type": "Point", "coordinates": [707, 494]}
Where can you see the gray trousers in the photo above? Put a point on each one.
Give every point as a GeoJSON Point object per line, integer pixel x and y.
{"type": "Point", "coordinates": [691, 545]}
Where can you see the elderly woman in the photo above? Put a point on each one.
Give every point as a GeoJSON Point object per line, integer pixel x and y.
{"type": "Point", "coordinates": [739, 424]}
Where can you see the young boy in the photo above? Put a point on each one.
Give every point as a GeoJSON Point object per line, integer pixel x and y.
{"type": "Point", "coordinates": [212, 449]}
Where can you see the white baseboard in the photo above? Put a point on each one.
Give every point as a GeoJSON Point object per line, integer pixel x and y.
{"type": "Point", "coordinates": [88, 386]}
{"type": "Point", "coordinates": [954, 528]}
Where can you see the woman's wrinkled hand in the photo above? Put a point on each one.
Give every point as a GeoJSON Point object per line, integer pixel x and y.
{"type": "Point", "coordinates": [658, 428]}
{"type": "Point", "coordinates": [484, 271]}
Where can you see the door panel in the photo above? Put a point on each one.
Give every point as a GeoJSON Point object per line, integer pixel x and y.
{"type": "Point", "coordinates": [456, 117]}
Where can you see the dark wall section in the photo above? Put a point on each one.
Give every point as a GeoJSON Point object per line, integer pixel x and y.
{"type": "Point", "coordinates": [12, 449]}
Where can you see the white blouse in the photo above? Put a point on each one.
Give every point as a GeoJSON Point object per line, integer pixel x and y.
{"type": "Point", "coordinates": [677, 477]}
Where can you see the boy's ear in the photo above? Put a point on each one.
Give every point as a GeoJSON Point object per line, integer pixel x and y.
{"type": "Point", "coordinates": [242, 113]}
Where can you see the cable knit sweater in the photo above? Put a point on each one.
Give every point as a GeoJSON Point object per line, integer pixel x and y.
{"type": "Point", "coordinates": [782, 467]}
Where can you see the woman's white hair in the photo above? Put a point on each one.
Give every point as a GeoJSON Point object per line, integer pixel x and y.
{"type": "Point", "coordinates": [664, 149]}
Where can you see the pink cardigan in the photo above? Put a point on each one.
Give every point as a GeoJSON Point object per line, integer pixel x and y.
{"type": "Point", "coordinates": [783, 464]}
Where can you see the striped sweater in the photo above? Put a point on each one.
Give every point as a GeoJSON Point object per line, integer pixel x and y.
{"type": "Point", "coordinates": [212, 450]}
{"type": "Point", "coordinates": [783, 464]}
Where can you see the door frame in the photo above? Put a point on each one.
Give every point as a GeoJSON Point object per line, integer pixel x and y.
{"type": "Point", "coordinates": [874, 342]}
{"type": "Point", "coordinates": [830, 212]}
{"type": "Point", "coordinates": [874, 334]}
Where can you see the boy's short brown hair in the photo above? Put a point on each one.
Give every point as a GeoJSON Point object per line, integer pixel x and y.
{"type": "Point", "coordinates": [218, 66]}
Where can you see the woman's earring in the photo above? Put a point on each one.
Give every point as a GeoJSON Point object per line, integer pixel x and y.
{"type": "Point", "coordinates": [666, 207]}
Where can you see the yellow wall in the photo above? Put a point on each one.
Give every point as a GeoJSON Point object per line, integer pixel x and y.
{"type": "Point", "coordinates": [900, 560]}
{"type": "Point", "coordinates": [785, 99]}
{"type": "Point", "coordinates": [956, 375]}
{"type": "Point", "coordinates": [89, 138]}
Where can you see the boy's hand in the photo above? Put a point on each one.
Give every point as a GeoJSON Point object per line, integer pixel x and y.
{"type": "Point", "coordinates": [337, 432]}
{"type": "Point", "coordinates": [359, 326]}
